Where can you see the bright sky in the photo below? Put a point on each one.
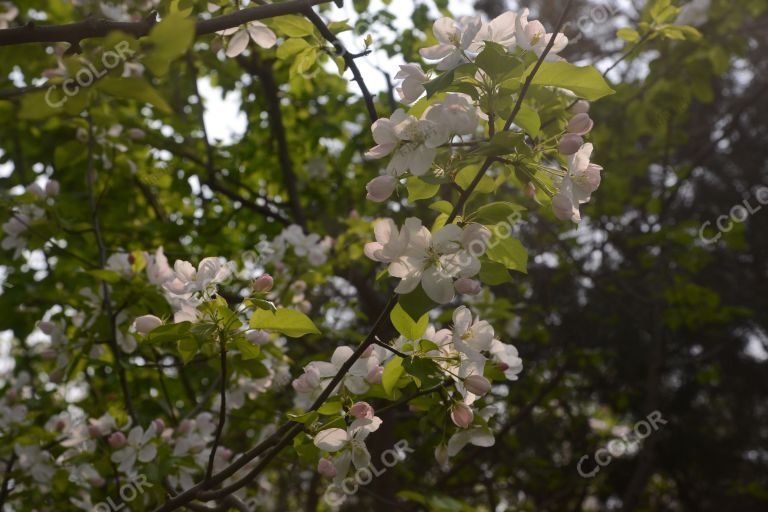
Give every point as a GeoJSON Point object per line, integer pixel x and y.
{"type": "Point", "coordinates": [224, 120]}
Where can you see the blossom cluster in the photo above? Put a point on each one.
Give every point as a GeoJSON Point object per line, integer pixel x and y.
{"type": "Point", "coordinates": [441, 262]}
{"type": "Point", "coordinates": [462, 353]}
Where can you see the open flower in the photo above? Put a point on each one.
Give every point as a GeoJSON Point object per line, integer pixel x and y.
{"type": "Point", "coordinates": [471, 338]}
{"type": "Point", "coordinates": [507, 357]}
{"type": "Point", "coordinates": [256, 31]}
{"type": "Point", "coordinates": [138, 447]}
{"type": "Point", "coordinates": [531, 35]}
{"type": "Point", "coordinates": [413, 80]}
{"type": "Point", "coordinates": [351, 441]}
{"type": "Point", "coordinates": [500, 30]}
{"type": "Point", "coordinates": [209, 272]}
{"type": "Point", "coordinates": [576, 188]}
{"type": "Point", "coordinates": [425, 261]}
{"type": "Point", "coordinates": [454, 40]}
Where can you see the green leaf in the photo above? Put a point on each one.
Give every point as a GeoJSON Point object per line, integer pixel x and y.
{"type": "Point", "coordinates": [529, 120]}
{"type": "Point", "coordinates": [133, 88]}
{"type": "Point", "coordinates": [170, 39]}
{"type": "Point", "coordinates": [586, 81]}
{"type": "Point", "coordinates": [416, 303]}
{"type": "Point", "coordinates": [497, 63]}
{"type": "Point", "coordinates": [247, 349]}
{"type": "Point", "coordinates": [499, 211]}
{"type": "Point", "coordinates": [425, 371]}
{"type": "Point", "coordinates": [169, 332]}
{"type": "Point", "coordinates": [305, 60]}
{"type": "Point", "coordinates": [109, 276]}
{"type": "Point", "coordinates": [507, 250]}
{"type": "Point", "coordinates": [440, 83]}
{"type": "Point", "coordinates": [405, 325]}
{"type": "Point", "coordinates": [503, 143]}
{"type": "Point", "coordinates": [442, 206]}
{"type": "Point", "coordinates": [308, 417]}
{"type": "Point", "coordinates": [392, 372]}
{"type": "Point", "coordinates": [289, 322]}
{"type": "Point", "coordinates": [187, 348]}
{"type": "Point", "coordinates": [293, 26]}
{"type": "Point", "coordinates": [630, 35]}
{"type": "Point", "coordinates": [492, 273]}
{"type": "Point", "coordinates": [330, 408]}
{"type": "Point", "coordinates": [420, 189]}
{"type": "Point", "coordinates": [291, 47]}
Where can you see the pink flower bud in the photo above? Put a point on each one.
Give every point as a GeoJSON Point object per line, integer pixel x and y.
{"type": "Point", "coordinates": [36, 189]}
{"type": "Point", "coordinates": [462, 415]}
{"type": "Point", "coordinates": [117, 440]}
{"type": "Point", "coordinates": [580, 107]}
{"type": "Point", "coordinates": [224, 453]}
{"type": "Point", "coordinates": [47, 327]}
{"type": "Point", "coordinates": [146, 324]}
{"type": "Point", "coordinates": [96, 481]}
{"type": "Point", "coordinates": [361, 410]}
{"type": "Point", "coordinates": [95, 431]}
{"type": "Point", "coordinates": [326, 468]}
{"type": "Point", "coordinates": [136, 133]}
{"type": "Point", "coordinates": [570, 144]}
{"type": "Point", "coordinates": [159, 425]}
{"type": "Point", "coordinates": [380, 188]}
{"type": "Point", "coordinates": [477, 384]}
{"type": "Point", "coordinates": [184, 426]}
{"type": "Point", "coordinates": [580, 124]}
{"type": "Point", "coordinates": [530, 190]}
{"type": "Point", "coordinates": [374, 376]}
{"type": "Point", "coordinates": [503, 366]}
{"type": "Point", "coordinates": [263, 283]}
{"type": "Point", "coordinates": [257, 337]}
{"type": "Point", "coordinates": [52, 188]}
{"type": "Point", "coordinates": [467, 286]}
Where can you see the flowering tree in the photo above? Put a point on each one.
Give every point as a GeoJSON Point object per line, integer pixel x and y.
{"type": "Point", "coordinates": [197, 321]}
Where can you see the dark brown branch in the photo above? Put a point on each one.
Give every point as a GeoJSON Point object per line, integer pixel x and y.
{"type": "Point", "coordinates": [107, 301]}
{"type": "Point", "coordinates": [348, 58]}
{"type": "Point", "coordinates": [263, 70]}
{"type": "Point", "coordinates": [73, 33]}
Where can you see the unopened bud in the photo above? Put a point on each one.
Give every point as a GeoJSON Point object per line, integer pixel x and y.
{"type": "Point", "coordinates": [326, 468]}
{"type": "Point", "coordinates": [47, 327]}
{"type": "Point", "coordinates": [467, 286]}
{"type": "Point", "coordinates": [257, 337]}
{"type": "Point", "coordinates": [146, 324]}
{"type": "Point", "coordinates": [361, 410]}
{"type": "Point", "coordinates": [580, 124]}
{"type": "Point", "coordinates": [477, 384]}
{"type": "Point", "coordinates": [380, 188]}
{"type": "Point", "coordinates": [52, 188]}
{"type": "Point", "coordinates": [462, 415]}
{"type": "Point", "coordinates": [116, 440]}
{"type": "Point", "coordinates": [580, 107]}
{"type": "Point", "coordinates": [375, 375]}
{"type": "Point", "coordinates": [263, 283]}
{"type": "Point", "coordinates": [570, 144]}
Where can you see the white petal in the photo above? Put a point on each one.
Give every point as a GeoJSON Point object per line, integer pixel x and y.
{"type": "Point", "coordinates": [237, 44]}
{"type": "Point", "coordinates": [331, 440]}
{"type": "Point", "coordinates": [261, 34]}
{"type": "Point", "coordinates": [438, 286]}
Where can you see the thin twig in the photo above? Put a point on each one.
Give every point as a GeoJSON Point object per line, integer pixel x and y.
{"type": "Point", "coordinates": [107, 301]}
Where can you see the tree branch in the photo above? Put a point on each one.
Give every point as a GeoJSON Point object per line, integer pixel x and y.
{"type": "Point", "coordinates": [73, 33]}
{"type": "Point", "coordinates": [348, 58]}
